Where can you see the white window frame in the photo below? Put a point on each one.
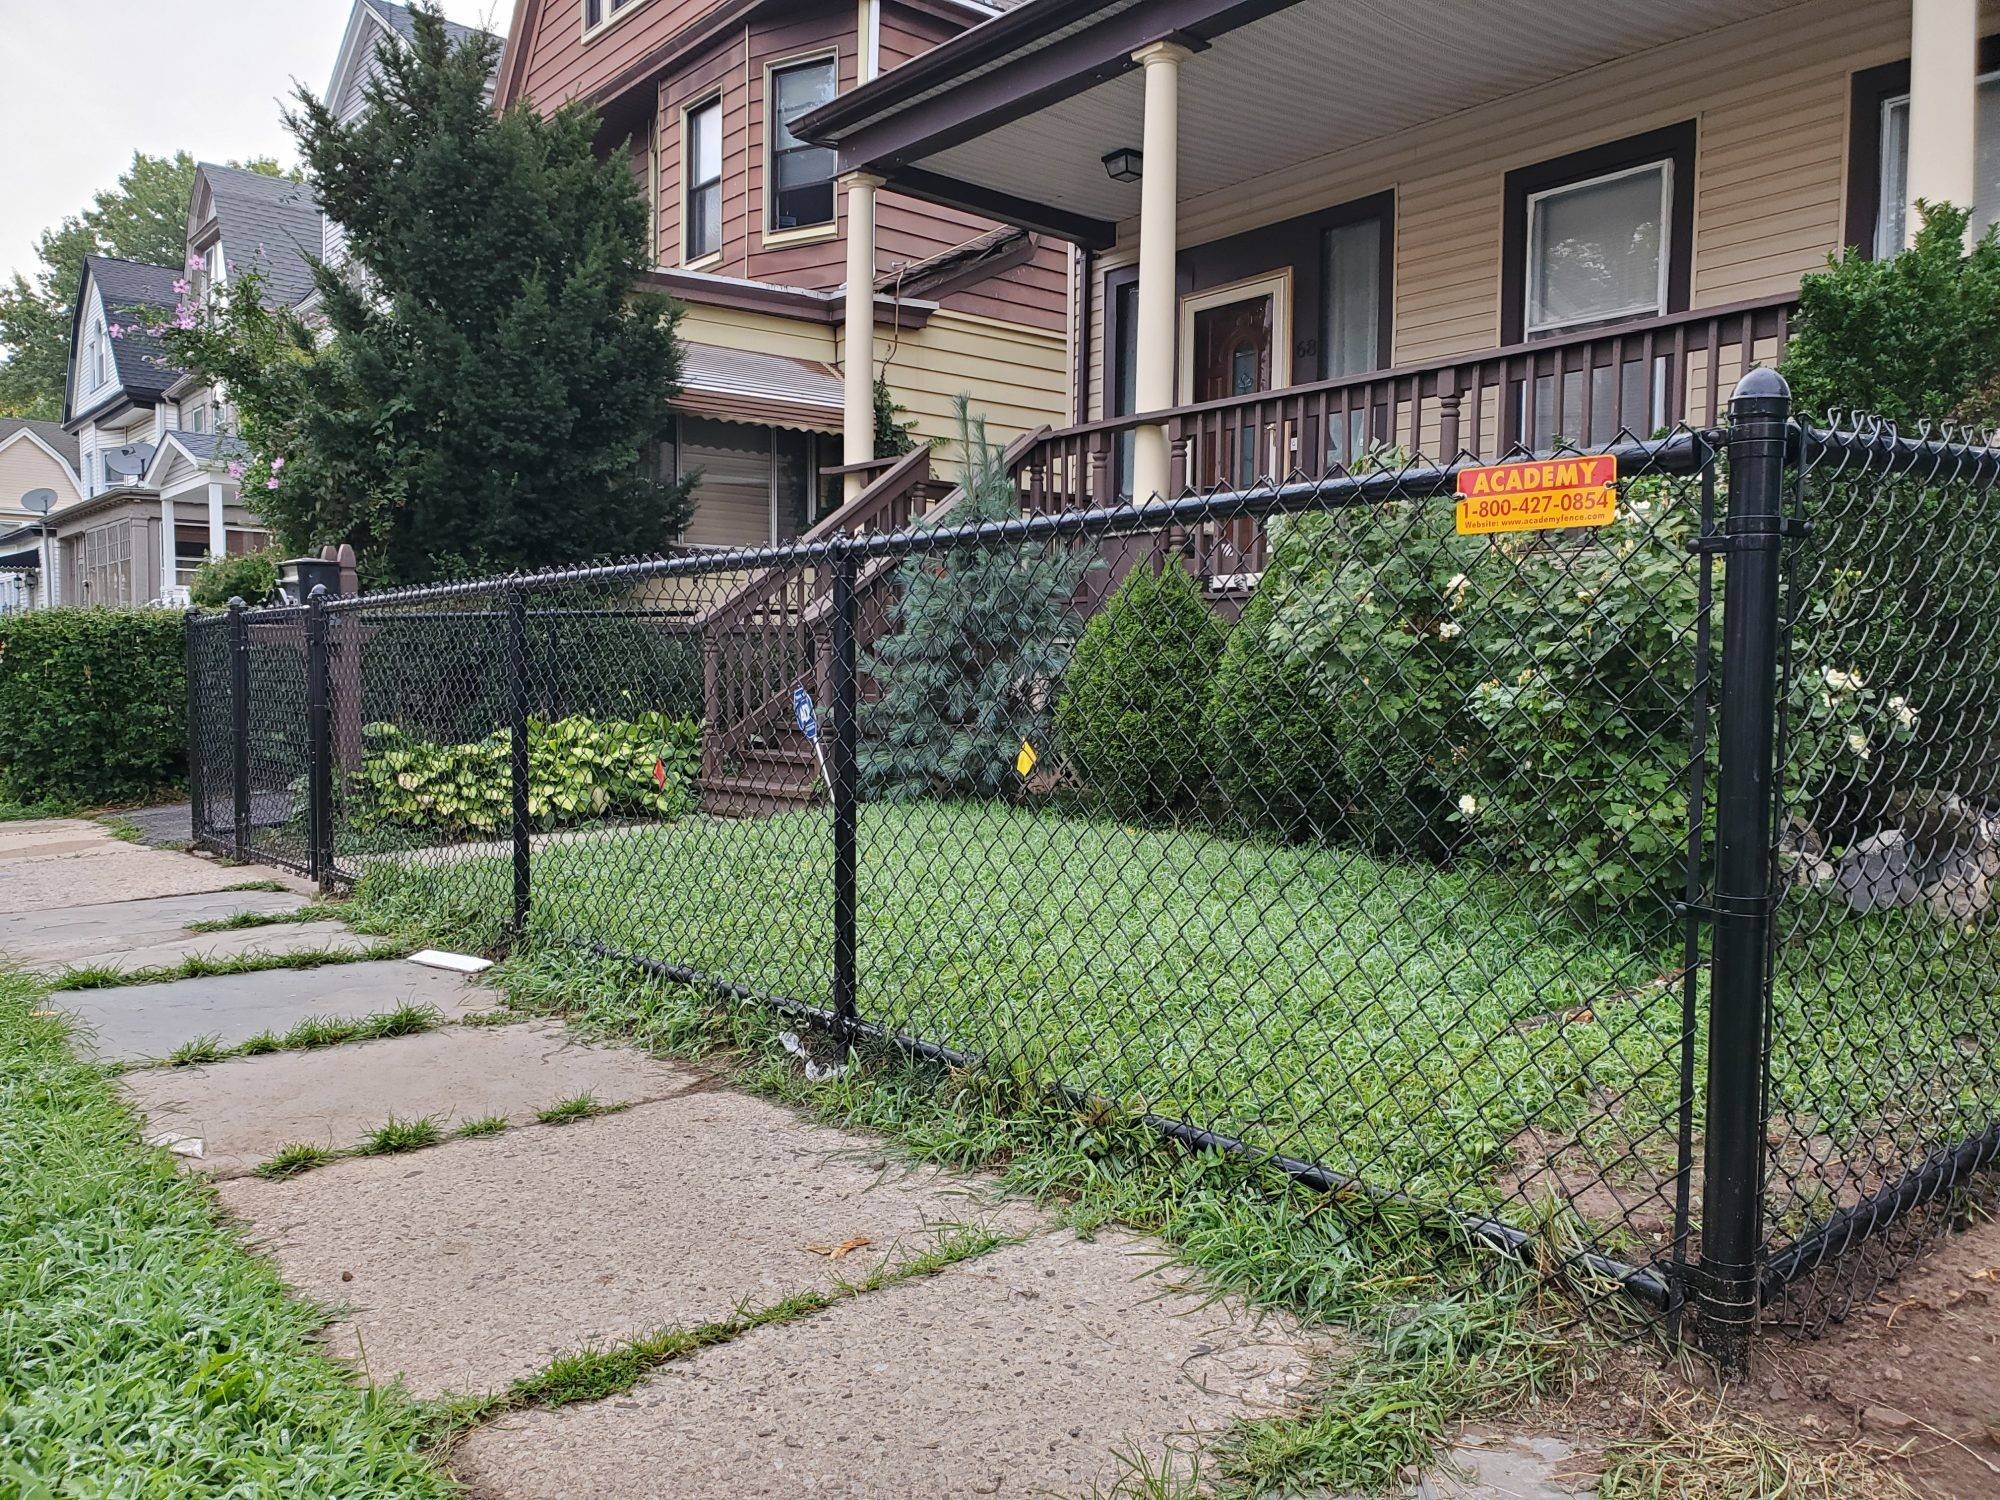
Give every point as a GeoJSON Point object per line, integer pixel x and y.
{"type": "Point", "coordinates": [93, 358]}
{"type": "Point", "coordinates": [688, 112]}
{"type": "Point", "coordinates": [1886, 202]}
{"type": "Point", "coordinates": [804, 233]}
{"type": "Point", "coordinates": [1277, 285]}
{"type": "Point", "coordinates": [610, 13]}
{"type": "Point", "coordinates": [1664, 165]}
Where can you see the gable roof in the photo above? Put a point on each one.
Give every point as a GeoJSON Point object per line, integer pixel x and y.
{"type": "Point", "coordinates": [270, 225]}
{"type": "Point", "coordinates": [51, 434]}
{"type": "Point", "coordinates": [399, 20]}
{"type": "Point", "coordinates": [135, 296]}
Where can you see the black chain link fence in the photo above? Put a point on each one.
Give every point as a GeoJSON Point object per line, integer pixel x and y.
{"type": "Point", "coordinates": [1425, 862]}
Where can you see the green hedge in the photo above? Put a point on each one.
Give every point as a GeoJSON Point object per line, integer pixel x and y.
{"type": "Point", "coordinates": [93, 705]}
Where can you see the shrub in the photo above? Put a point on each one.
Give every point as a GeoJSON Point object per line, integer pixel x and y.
{"type": "Point", "coordinates": [977, 635]}
{"type": "Point", "coordinates": [579, 769]}
{"type": "Point", "coordinates": [93, 704]}
{"type": "Point", "coordinates": [250, 576]}
{"type": "Point", "coordinates": [1130, 716]}
{"type": "Point", "coordinates": [1399, 685]}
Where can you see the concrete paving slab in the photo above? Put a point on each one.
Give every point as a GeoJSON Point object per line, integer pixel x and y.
{"type": "Point", "coordinates": [1024, 1372]}
{"type": "Point", "coordinates": [167, 827]}
{"type": "Point", "coordinates": [132, 1023]}
{"type": "Point", "coordinates": [294, 937]}
{"type": "Point", "coordinates": [246, 1109]}
{"type": "Point", "coordinates": [115, 871]}
{"type": "Point", "coordinates": [474, 1263]}
{"type": "Point", "coordinates": [1508, 1466]}
{"type": "Point", "coordinates": [100, 931]}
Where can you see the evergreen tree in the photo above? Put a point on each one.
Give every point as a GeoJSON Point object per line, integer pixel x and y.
{"type": "Point", "coordinates": [979, 636]}
{"type": "Point", "coordinates": [487, 381]}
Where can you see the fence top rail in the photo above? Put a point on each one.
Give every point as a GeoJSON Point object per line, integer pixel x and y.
{"type": "Point", "coordinates": [1683, 451]}
{"type": "Point", "coordinates": [1947, 452]}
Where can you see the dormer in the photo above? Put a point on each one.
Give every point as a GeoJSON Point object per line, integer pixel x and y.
{"type": "Point", "coordinates": [241, 221]}
{"type": "Point", "coordinates": [117, 363]}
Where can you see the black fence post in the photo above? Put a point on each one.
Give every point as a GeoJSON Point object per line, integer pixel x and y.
{"type": "Point", "coordinates": [319, 744]}
{"type": "Point", "coordinates": [1732, 1225]}
{"type": "Point", "coordinates": [239, 727]}
{"type": "Point", "coordinates": [845, 791]}
{"type": "Point", "coordinates": [197, 793]}
{"type": "Point", "coordinates": [517, 738]}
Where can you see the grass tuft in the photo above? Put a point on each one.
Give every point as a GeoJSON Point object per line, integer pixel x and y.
{"type": "Point", "coordinates": [205, 966]}
{"type": "Point", "coordinates": [200, 1049]}
{"type": "Point", "coordinates": [484, 1125]}
{"type": "Point", "coordinates": [394, 1135]}
{"type": "Point", "coordinates": [584, 1106]}
{"type": "Point", "coordinates": [317, 911]}
{"type": "Point", "coordinates": [291, 1160]}
{"type": "Point", "coordinates": [270, 887]}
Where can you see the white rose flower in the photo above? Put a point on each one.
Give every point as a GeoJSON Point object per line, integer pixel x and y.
{"type": "Point", "coordinates": [1858, 743]}
{"type": "Point", "coordinates": [1843, 682]}
{"type": "Point", "coordinates": [1900, 707]}
{"type": "Point", "coordinates": [1468, 805]}
{"type": "Point", "coordinates": [1449, 629]}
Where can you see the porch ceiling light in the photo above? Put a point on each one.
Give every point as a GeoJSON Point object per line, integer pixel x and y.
{"type": "Point", "coordinates": [1123, 164]}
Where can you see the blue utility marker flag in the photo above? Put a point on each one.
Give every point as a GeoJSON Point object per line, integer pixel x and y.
{"type": "Point", "coordinates": [802, 710]}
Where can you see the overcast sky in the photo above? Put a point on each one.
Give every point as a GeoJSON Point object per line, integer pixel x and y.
{"type": "Point", "coordinates": [88, 82]}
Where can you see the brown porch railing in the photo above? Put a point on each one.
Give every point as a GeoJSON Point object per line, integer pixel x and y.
{"type": "Point", "coordinates": [1583, 388]}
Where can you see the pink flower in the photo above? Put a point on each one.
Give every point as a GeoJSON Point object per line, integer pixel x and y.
{"type": "Point", "coordinates": [181, 288]}
{"type": "Point", "coordinates": [277, 464]}
{"type": "Point", "coordinates": [236, 471]}
{"type": "Point", "coordinates": [114, 330]}
{"type": "Point", "coordinates": [271, 483]}
{"type": "Point", "coordinates": [184, 318]}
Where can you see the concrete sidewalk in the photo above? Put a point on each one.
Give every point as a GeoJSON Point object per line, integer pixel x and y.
{"type": "Point", "coordinates": [459, 1268]}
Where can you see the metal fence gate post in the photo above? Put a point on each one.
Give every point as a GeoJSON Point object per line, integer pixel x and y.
{"type": "Point", "coordinates": [846, 793]}
{"type": "Point", "coordinates": [517, 741]}
{"type": "Point", "coordinates": [1727, 1283]}
{"type": "Point", "coordinates": [239, 728]}
{"type": "Point", "coordinates": [197, 793]}
{"type": "Point", "coordinates": [319, 745]}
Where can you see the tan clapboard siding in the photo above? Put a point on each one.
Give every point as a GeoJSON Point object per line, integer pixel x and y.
{"type": "Point", "coordinates": [761, 333]}
{"type": "Point", "coordinates": [1770, 101]}
{"type": "Point", "coordinates": [1014, 376]}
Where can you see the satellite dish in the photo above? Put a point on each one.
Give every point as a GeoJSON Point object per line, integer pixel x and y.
{"type": "Point", "coordinates": [128, 462]}
{"type": "Point", "coordinates": [38, 502]}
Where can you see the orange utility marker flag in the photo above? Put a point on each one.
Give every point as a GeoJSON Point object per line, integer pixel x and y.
{"type": "Point", "coordinates": [1538, 495]}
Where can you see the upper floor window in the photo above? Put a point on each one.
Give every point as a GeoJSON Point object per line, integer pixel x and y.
{"type": "Point", "coordinates": [597, 12]}
{"type": "Point", "coordinates": [194, 415]}
{"type": "Point", "coordinates": [94, 361]}
{"type": "Point", "coordinates": [701, 167]}
{"type": "Point", "coordinates": [1891, 223]}
{"type": "Point", "coordinates": [799, 175]}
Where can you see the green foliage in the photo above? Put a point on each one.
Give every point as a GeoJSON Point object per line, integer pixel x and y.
{"type": "Point", "coordinates": [579, 770]}
{"type": "Point", "coordinates": [249, 576]}
{"type": "Point", "coordinates": [493, 376]}
{"type": "Point", "coordinates": [1398, 685]}
{"type": "Point", "coordinates": [93, 704]}
{"type": "Point", "coordinates": [1913, 338]}
{"type": "Point", "coordinates": [894, 429]}
{"type": "Point", "coordinates": [977, 636]}
{"type": "Point", "coordinates": [1133, 702]}
{"type": "Point", "coordinates": [142, 217]}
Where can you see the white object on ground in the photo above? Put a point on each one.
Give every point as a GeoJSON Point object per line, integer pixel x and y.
{"type": "Point", "coordinates": [816, 1072]}
{"type": "Point", "coordinates": [458, 963]}
{"type": "Point", "coordinates": [180, 1145]}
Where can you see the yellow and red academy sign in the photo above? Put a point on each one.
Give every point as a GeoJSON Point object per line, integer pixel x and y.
{"type": "Point", "coordinates": [1538, 495]}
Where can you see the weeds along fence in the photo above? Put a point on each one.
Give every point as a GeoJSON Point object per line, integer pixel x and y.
{"type": "Point", "coordinates": [1615, 895]}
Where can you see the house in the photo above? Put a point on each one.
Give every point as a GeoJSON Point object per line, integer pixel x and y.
{"type": "Point", "coordinates": [755, 238]}
{"type": "Point", "coordinates": [34, 457]}
{"type": "Point", "coordinates": [1309, 227]}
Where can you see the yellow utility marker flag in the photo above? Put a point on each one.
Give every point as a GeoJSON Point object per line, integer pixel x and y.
{"type": "Point", "coordinates": [1025, 761]}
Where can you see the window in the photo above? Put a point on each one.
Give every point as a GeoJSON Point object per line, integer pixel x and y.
{"type": "Point", "coordinates": [1601, 235]}
{"type": "Point", "coordinates": [107, 564]}
{"type": "Point", "coordinates": [194, 415]}
{"type": "Point", "coordinates": [190, 552]}
{"type": "Point", "coordinates": [799, 176]}
{"type": "Point", "coordinates": [93, 359]}
{"type": "Point", "coordinates": [598, 13]}
{"type": "Point", "coordinates": [1894, 178]}
{"type": "Point", "coordinates": [701, 165]}
{"type": "Point", "coordinates": [1351, 300]}
{"type": "Point", "coordinates": [1597, 250]}
{"type": "Point", "coordinates": [1123, 386]}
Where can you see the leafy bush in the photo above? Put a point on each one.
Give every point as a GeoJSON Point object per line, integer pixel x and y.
{"type": "Point", "coordinates": [579, 769]}
{"type": "Point", "coordinates": [1130, 715]}
{"type": "Point", "coordinates": [977, 635]}
{"type": "Point", "coordinates": [93, 704]}
{"type": "Point", "coordinates": [1914, 337]}
{"type": "Point", "coordinates": [250, 576]}
{"type": "Point", "coordinates": [1404, 687]}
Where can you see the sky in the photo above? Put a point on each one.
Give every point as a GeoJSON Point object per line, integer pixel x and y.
{"type": "Point", "coordinates": [88, 82]}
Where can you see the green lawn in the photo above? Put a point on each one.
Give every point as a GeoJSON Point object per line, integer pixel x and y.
{"type": "Point", "coordinates": [143, 1351]}
{"type": "Point", "coordinates": [1413, 1026]}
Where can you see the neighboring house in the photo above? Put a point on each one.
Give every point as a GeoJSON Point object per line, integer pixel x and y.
{"type": "Point", "coordinates": [753, 236]}
{"type": "Point", "coordinates": [1318, 226]}
{"type": "Point", "coordinates": [34, 456]}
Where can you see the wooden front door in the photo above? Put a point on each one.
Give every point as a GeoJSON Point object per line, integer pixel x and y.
{"type": "Point", "coordinates": [1233, 356]}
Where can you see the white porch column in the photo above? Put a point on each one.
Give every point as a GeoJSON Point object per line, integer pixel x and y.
{"type": "Point", "coordinates": [1944, 93]}
{"type": "Point", "coordinates": [218, 531]}
{"type": "Point", "coordinates": [1159, 192]}
{"type": "Point", "coordinates": [858, 404]}
{"type": "Point", "coordinates": [166, 546]}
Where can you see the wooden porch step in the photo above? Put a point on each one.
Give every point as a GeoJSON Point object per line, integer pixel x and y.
{"type": "Point", "coordinates": [756, 796]}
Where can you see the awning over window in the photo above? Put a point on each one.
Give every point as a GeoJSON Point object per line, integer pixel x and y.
{"type": "Point", "coordinates": [739, 385]}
